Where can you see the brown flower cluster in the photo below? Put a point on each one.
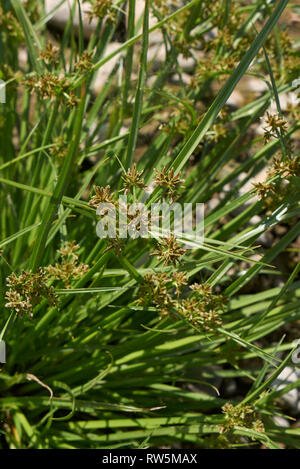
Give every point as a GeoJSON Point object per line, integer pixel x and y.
{"type": "Point", "coordinates": [101, 9]}
{"type": "Point", "coordinates": [283, 169]}
{"type": "Point", "coordinates": [84, 63]}
{"type": "Point", "coordinates": [102, 195]}
{"type": "Point", "coordinates": [287, 167]}
{"type": "Point", "coordinates": [202, 309]}
{"type": "Point", "coordinates": [240, 416]}
{"type": "Point", "coordinates": [69, 268]}
{"type": "Point", "coordinates": [50, 54]}
{"type": "Point", "coordinates": [158, 289]}
{"type": "Point", "coordinates": [27, 291]}
{"type": "Point", "coordinates": [168, 250]}
{"type": "Point", "coordinates": [276, 126]}
{"type": "Point", "coordinates": [133, 178]}
{"type": "Point", "coordinates": [167, 178]}
{"type": "Point", "coordinates": [51, 86]}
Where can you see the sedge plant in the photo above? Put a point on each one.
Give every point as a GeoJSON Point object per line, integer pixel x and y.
{"type": "Point", "coordinates": [131, 343]}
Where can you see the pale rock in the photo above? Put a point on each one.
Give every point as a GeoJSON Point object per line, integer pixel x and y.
{"type": "Point", "coordinates": [212, 204]}
{"type": "Point", "coordinates": [231, 387]}
{"type": "Point", "coordinates": [266, 239]}
{"type": "Point", "coordinates": [156, 37]}
{"type": "Point", "coordinates": [151, 80]}
{"type": "Point", "coordinates": [61, 16]}
{"type": "Point", "coordinates": [256, 85]}
{"type": "Point", "coordinates": [281, 422]}
{"type": "Point", "coordinates": [186, 63]}
{"type": "Point", "coordinates": [156, 55]}
{"type": "Point", "coordinates": [288, 376]}
{"type": "Point", "coordinates": [103, 73]}
{"type": "Point", "coordinates": [236, 99]}
{"type": "Point", "coordinates": [23, 57]}
{"type": "Point", "coordinates": [286, 100]}
{"type": "Point", "coordinates": [184, 78]}
{"type": "Point", "coordinates": [254, 220]}
{"type": "Point", "coordinates": [139, 10]}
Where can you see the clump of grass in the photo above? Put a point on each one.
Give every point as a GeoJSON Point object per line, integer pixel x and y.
{"type": "Point", "coordinates": [122, 331]}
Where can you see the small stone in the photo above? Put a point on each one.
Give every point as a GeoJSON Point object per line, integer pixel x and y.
{"type": "Point", "coordinates": [256, 85]}
{"type": "Point", "coordinates": [156, 37]}
{"type": "Point", "coordinates": [212, 204]}
{"type": "Point", "coordinates": [106, 69]}
{"type": "Point", "coordinates": [23, 57]}
{"type": "Point", "coordinates": [236, 99]}
{"type": "Point", "coordinates": [254, 220]}
{"type": "Point", "coordinates": [266, 239]}
{"type": "Point", "coordinates": [139, 10]}
{"type": "Point", "coordinates": [61, 16]}
{"type": "Point", "coordinates": [281, 422]}
{"type": "Point", "coordinates": [288, 376]}
{"type": "Point", "coordinates": [184, 78]}
{"type": "Point", "coordinates": [186, 63]}
{"type": "Point", "coordinates": [156, 55]}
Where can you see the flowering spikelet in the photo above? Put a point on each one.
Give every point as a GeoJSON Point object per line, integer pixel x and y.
{"type": "Point", "coordinates": [27, 291]}
{"type": "Point", "coordinates": [240, 416]}
{"type": "Point", "coordinates": [203, 308]}
{"type": "Point", "coordinates": [264, 189]}
{"type": "Point", "coordinates": [50, 54]}
{"type": "Point", "coordinates": [69, 268]}
{"type": "Point", "coordinates": [101, 9]}
{"type": "Point", "coordinates": [169, 250]}
{"type": "Point", "coordinates": [162, 290]}
{"type": "Point", "coordinates": [102, 195]}
{"type": "Point", "coordinates": [179, 279]}
{"type": "Point", "coordinates": [275, 126]}
{"type": "Point", "coordinates": [286, 168]}
{"type": "Point", "coordinates": [166, 178]}
{"type": "Point", "coordinates": [133, 178]}
{"type": "Point", "coordinates": [154, 289]}
{"type": "Point", "coordinates": [84, 62]}
{"type": "Point", "coordinates": [199, 314]}
{"type": "Point", "coordinates": [52, 86]}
